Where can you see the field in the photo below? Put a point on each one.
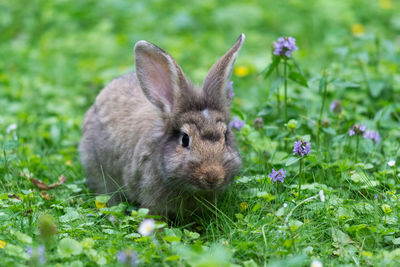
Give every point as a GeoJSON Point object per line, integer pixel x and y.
{"type": "Point", "coordinates": [342, 96]}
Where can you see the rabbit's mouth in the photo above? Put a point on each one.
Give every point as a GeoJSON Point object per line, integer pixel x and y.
{"type": "Point", "coordinates": [209, 176]}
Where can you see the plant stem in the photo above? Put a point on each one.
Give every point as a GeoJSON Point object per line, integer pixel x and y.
{"type": "Point", "coordinates": [356, 153]}
{"type": "Point", "coordinates": [278, 100]}
{"type": "Point", "coordinates": [285, 86]}
{"type": "Point", "coordinates": [322, 106]}
{"type": "Point", "coordinates": [300, 175]}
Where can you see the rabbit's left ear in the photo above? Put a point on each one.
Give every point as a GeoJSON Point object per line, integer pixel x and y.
{"type": "Point", "coordinates": [215, 86]}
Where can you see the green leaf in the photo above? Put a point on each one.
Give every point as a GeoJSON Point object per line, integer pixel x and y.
{"type": "Point", "coordinates": [291, 160]}
{"type": "Point", "coordinates": [250, 263]}
{"type": "Point", "coordinates": [345, 84]}
{"type": "Point", "coordinates": [190, 234]}
{"type": "Point", "coordinates": [172, 258]}
{"type": "Point", "coordinates": [16, 251]}
{"type": "Point", "coordinates": [10, 145]}
{"type": "Point", "coordinates": [340, 237]}
{"type": "Point", "coordinates": [103, 198]}
{"type": "Point", "coordinates": [280, 212]}
{"type": "Point", "coordinates": [396, 241]}
{"type": "Point", "coordinates": [329, 131]}
{"type": "Point", "coordinates": [68, 247]}
{"type": "Point", "coordinates": [172, 238]}
{"type": "Point", "coordinates": [322, 84]}
{"type": "Point", "coordinates": [275, 84]}
{"type": "Point", "coordinates": [294, 225]}
{"type": "Point", "coordinates": [376, 87]}
{"type": "Point", "coordinates": [75, 264]}
{"type": "Point", "coordinates": [311, 158]}
{"type": "Point", "coordinates": [143, 212]}
{"type": "Point", "coordinates": [23, 237]}
{"type": "Point", "coordinates": [70, 216]}
{"type": "Point", "coordinates": [272, 66]}
{"type": "Point", "coordinates": [298, 78]}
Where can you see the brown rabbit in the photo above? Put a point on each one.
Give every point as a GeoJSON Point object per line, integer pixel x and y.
{"type": "Point", "coordinates": [154, 138]}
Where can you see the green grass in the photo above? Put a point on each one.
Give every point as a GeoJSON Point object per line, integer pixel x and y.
{"type": "Point", "coordinates": [55, 56]}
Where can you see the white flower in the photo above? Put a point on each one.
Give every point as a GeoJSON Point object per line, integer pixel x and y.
{"type": "Point", "coordinates": [391, 163]}
{"type": "Point", "coordinates": [316, 263]}
{"type": "Point", "coordinates": [11, 127]}
{"type": "Point", "coordinates": [322, 196]}
{"type": "Point", "coordinates": [284, 205]}
{"type": "Point", "coordinates": [147, 227]}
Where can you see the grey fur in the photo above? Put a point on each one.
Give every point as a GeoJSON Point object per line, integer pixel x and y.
{"type": "Point", "coordinates": [131, 144]}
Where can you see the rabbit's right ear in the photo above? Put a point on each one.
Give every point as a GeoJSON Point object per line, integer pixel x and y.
{"type": "Point", "coordinates": [159, 75]}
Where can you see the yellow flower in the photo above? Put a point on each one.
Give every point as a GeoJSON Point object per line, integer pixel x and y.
{"type": "Point", "coordinates": [241, 71]}
{"type": "Point", "coordinates": [100, 205]}
{"type": "Point", "coordinates": [385, 4]}
{"type": "Point", "coordinates": [244, 206]}
{"type": "Point", "coordinates": [357, 29]}
{"type": "Point", "coordinates": [367, 254]}
{"type": "Point", "coordinates": [2, 243]}
{"type": "Point", "coordinates": [68, 162]}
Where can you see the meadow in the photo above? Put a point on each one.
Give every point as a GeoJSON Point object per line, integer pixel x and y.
{"type": "Point", "coordinates": [336, 205]}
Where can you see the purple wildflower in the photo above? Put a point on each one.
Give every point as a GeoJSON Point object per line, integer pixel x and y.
{"type": "Point", "coordinates": [36, 253]}
{"type": "Point", "coordinates": [336, 106]}
{"type": "Point", "coordinates": [231, 94]}
{"type": "Point", "coordinates": [285, 46]}
{"type": "Point", "coordinates": [374, 136]}
{"type": "Point", "coordinates": [258, 123]}
{"type": "Point", "coordinates": [236, 123]}
{"type": "Point", "coordinates": [29, 251]}
{"type": "Point", "coordinates": [130, 258]}
{"type": "Point", "coordinates": [301, 148]}
{"type": "Point", "coordinates": [357, 129]}
{"type": "Point", "coordinates": [40, 251]}
{"type": "Point", "coordinates": [277, 175]}
{"type": "Point", "coordinates": [121, 256]}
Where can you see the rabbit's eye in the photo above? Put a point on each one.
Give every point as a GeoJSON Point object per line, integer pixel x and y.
{"type": "Point", "coordinates": [185, 140]}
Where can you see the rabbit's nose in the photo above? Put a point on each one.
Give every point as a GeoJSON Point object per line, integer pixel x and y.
{"type": "Point", "coordinates": [214, 174]}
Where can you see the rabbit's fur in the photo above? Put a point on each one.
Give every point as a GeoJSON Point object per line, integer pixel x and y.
{"type": "Point", "coordinates": [133, 136]}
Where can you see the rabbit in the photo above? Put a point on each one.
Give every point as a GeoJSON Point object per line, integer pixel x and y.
{"type": "Point", "coordinates": [153, 138]}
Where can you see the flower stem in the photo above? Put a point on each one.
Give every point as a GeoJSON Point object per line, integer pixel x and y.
{"type": "Point", "coordinates": [300, 175]}
{"type": "Point", "coordinates": [285, 86]}
{"type": "Point", "coordinates": [356, 152]}
{"type": "Point", "coordinates": [278, 100]}
{"type": "Point", "coordinates": [322, 106]}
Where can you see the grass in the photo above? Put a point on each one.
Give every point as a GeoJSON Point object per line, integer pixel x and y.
{"type": "Point", "coordinates": [55, 56]}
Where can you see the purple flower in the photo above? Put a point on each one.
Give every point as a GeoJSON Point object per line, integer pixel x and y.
{"type": "Point", "coordinates": [258, 123]}
{"type": "Point", "coordinates": [357, 129]}
{"type": "Point", "coordinates": [301, 148]}
{"type": "Point", "coordinates": [36, 253]}
{"type": "Point", "coordinates": [231, 94]}
{"type": "Point", "coordinates": [277, 175]}
{"type": "Point", "coordinates": [236, 123]}
{"type": "Point", "coordinates": [40, 251]}
{"type": "Point", "coordinates": [121, 256]}
{"type": "Point", "coordinates": [374, 136]}
{"type": "Point", "coordinates": [129, 258]}
{"type": "Point", "coordinates": [285, 46]}
{"type": "Point", "coordinates": [336, 106]}
{"type": "Point", "coordinates": [29, 251]}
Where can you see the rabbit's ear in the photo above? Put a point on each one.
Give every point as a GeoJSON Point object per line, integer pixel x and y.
{"type": "Point", "coordinates": [159, 75]}
{"type": "Point", "coordinates": [215, 86]}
